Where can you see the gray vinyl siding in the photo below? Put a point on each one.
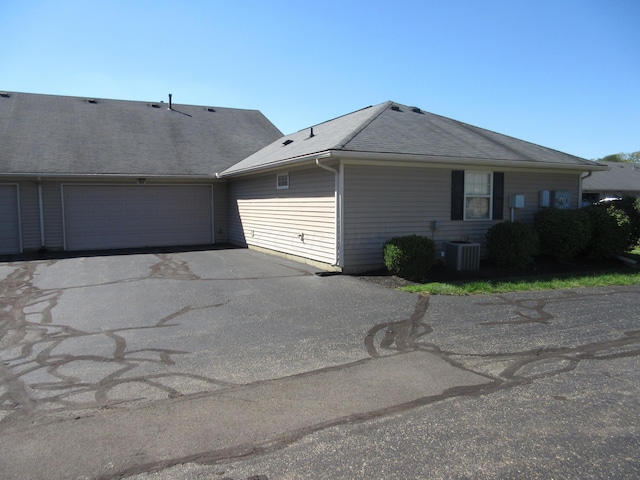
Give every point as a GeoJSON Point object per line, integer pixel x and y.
{"type": "Point", "coordinates": [384, 202]}
{"type": "Point", "coordinates": [220, 217]}
{"type": "Point", "coordinates": [263, 216]}
{"type": "Point", "coordinates": [52, 206]}
{"type": "Point", "coordinates": [30, 215]}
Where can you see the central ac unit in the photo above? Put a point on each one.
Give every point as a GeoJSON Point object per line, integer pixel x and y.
{"type": "Point", "coordinates": [462, 255]}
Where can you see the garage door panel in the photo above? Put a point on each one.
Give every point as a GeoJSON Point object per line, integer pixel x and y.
{"type": "Point", "coordinates": [124, 216]}
{"type": "Point", "coordinates": [9, 220]}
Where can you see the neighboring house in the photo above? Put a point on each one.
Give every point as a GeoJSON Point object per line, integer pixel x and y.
{"type": "Point", "coordinates": [620, 179]}
{"type": "Point", "coordinates": [334, 193]}
{"type": "Point", "coordinates": [85, 174]}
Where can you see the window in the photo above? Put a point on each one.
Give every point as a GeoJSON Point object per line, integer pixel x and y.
{"type": "Point", "coordinates": [477, 195]}
{"type": "Point", "coordinates": [282, 181]}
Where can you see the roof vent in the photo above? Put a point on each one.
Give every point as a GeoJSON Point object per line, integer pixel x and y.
{"type": "Point", "coordinates": [311, 134]}
{"type": "Point", "coordinates": [154, 105]}
{"type": "Point", "coordinates": [211, 109]}
{"type": "Point", "coordinates": [4, 94]}
{"type": "Point", "coordinates": [287, 142]}
{"type": "Point", "coordinates": [416, 110]}
{"type": "Point", "coordinates": [92, 100]}
{"type": "Point", "coordinates": [395, 108]}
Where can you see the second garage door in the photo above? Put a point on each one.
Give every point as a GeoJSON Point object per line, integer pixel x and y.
{"type": "Point", "coordinates": [128, 216]}
{"type": "Point", "coordinates": [9, 219]}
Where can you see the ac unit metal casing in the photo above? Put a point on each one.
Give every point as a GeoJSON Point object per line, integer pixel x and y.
{"type": "Point", "coordinates": [462, 255]}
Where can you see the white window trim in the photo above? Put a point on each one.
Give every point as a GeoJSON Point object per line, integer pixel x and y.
{"type": "Point", "coordinates": [278, 177]}
{"type": "Point", "coordinates": [470, 195]}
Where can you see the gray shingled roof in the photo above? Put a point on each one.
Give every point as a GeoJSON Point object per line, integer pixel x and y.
{"type": "Point", "coordinates": [621, 177]}
{"type": "Point", "coordinates": [394, 129]}
{"type": "Point", "coordinates": [55, 135]}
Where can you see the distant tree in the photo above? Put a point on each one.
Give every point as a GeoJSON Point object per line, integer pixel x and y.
{"type": "Point", "coordinates": [633, 157]}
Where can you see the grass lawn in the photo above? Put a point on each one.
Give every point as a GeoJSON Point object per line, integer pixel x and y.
{"type": "Point", "coordinates": [547, 274]}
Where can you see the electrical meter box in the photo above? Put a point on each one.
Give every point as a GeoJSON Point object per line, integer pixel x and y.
{"type": "Point", "coordinates": [516, 201]}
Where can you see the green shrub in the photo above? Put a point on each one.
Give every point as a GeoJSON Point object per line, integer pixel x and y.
{"type": "Point", "coordinates": [631, 206]}
{"type": "Point", "coordinates": [409, 257]}
{"type": "Point", "coordinates": [563, 233]}
{"type": "Point", "coordinates": [610, 231]}
{"type": "Point", "coordinates": [512, 244]}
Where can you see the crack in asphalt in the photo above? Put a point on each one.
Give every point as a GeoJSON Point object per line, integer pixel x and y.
{"type": "Point", "coordinates": [523, 366]}
{"type": "Point", "coordinates": [29, 338]}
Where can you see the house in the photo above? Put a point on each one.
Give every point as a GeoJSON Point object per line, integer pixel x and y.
{"type": "Point", "coordinates": [84, 173]}
{"type": "Point", "coordinates": [335, 192]}
{"type": "Point", "coordinates": [619, 180]}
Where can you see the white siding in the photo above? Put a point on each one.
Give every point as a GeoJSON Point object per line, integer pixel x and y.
{"type": "Point", "coordinates": [383, 202]}
{"type": "Point", "coordinates": [300, 220]}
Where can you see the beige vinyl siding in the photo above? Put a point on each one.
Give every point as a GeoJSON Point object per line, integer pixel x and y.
{"type": "Point", "coordinates": [530, 184]}
{"type": "Point", "coordinates": [300, 220]}
{"type": "Point", "coordinates": [383, 202]}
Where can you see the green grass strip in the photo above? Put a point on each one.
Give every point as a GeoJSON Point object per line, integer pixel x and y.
{"type": "Point", "coordinates": [486, 287]}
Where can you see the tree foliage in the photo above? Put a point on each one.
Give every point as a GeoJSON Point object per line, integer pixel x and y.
{"type": "Point", "coordinates": [633, 157]}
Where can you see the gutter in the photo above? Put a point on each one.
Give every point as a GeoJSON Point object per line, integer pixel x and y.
{"type": "Point", "coordinates": [58, 175]}
{"type": "Point", "coordinates": [448, 161]}
{"type": "Point", "coordinates": [276, 164]}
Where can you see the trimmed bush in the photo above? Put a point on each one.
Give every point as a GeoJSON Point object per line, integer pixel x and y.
{"type": "Point", "coordinates": [610, 231]}
{"type": "Point", "coordinates": [563, 233]}
{"type": "Point", "coordinates": [409, 257]}
{"type": "Point", "coordinates": [512, 244]}
{"type": "Point", "coordinates": [631, 206]}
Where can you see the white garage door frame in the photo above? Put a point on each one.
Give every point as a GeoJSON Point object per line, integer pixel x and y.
{"type": "Point", "coordinates": [10, 224]}
{"type": "Point", "coordinates": [115, 215]}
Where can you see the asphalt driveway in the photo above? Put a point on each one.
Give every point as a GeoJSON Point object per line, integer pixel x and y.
{"type": "Point", "coordinates": [142, 362]}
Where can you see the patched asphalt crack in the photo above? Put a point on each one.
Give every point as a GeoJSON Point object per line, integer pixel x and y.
{"type": "Point", "coordinates": [28, 338]}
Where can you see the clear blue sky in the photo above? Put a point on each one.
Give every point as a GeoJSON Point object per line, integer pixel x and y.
{"type": "Point", "coordinates": [561, 73]}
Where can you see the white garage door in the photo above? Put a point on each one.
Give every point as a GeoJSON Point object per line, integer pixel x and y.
{"type": "Point", "coordinates": [9, 220]}
{"type": "Point", "coordinates": [126, 216]}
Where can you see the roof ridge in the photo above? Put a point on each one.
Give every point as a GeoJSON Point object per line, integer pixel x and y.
{"type": "Point", "coordinates": [354, 133]}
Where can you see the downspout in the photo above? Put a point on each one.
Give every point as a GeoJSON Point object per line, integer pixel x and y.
{"type": "Point", "coordinates": [41, 209]}
{"type": "Point", "coordinates": [338, 230]}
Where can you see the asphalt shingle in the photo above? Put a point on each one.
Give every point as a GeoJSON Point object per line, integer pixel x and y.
{"type": "Point", "coordinates": [56, 135]}
{"type": "Point", "coordinates": [391, 128]}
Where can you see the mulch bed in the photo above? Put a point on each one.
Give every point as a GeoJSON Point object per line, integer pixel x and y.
{"type": "Point", "coordinates": [544, 268]}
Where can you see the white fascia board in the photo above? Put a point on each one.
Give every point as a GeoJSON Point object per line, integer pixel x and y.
{"type": "Point", "coordinates": [398, 160]}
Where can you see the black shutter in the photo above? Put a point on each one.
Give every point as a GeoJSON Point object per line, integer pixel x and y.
{"type": "Point", "coordinates": [457, 194]}
{"type": "Point", "coordinates": [498, 195]}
